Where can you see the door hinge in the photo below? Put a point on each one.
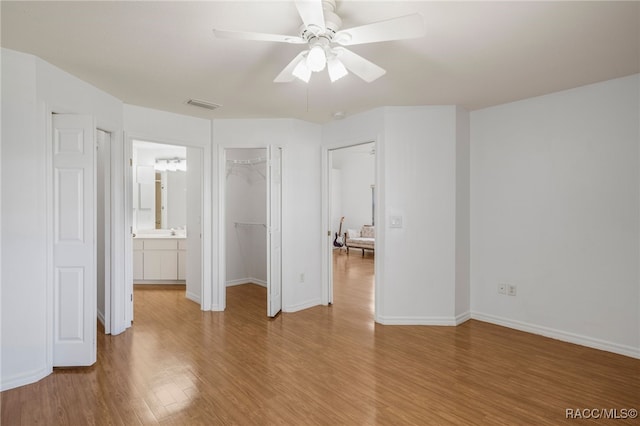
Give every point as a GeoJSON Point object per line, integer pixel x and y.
{"type": "Point", "coordinates": [132, 297]}
{"type": "Point", "coordinates": [329, 233]}
{"type": "Point", "coordinates": [130, 162]}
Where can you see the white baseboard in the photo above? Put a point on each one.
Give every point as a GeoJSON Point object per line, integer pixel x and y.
{"type": "Point", "coordinates": [407, 320]}
{"type": "Point", "coordinates": [564, 336]}
{"type": "Point", "coordinates": [159, 282]}
{"type": "Point", "coordinates": [463, 317]}
{"type": "Point", "coordinates": [216, 308]}
{"type": "Point", "coordinates": [300, 306]}
{"type": "Point", "coordinates": [24, 379]}
{"type": "Point", "coordinates": [192, 297]}
{"type": "Point", "coordinates": [241, 281]}
{"type": "Point", "coordinates": [101, 317]}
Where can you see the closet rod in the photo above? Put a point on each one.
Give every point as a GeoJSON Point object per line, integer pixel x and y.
{"type": "Point", "coordinates": [249, 162]}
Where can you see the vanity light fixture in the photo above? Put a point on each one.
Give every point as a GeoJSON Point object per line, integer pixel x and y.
{"type": "Point", "coordinates": [171, 164]}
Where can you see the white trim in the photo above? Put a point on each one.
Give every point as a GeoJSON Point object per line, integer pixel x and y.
{"type": "Point", "coordinates": [193, 297]}
{"type": "Point", "coordinates": [250, 280]}
{"type": "Point", "coordinates": [326, 272]}
{"type": "Point", "coordinates": [48, 126]}
{"type": "Point", "coordinates": [409, 320]}
{"type": "Point", "coordinates": [159, 282]}
{"type": "Point", "coordinates": [25, 379]}
{"type": "Point", "coordinates": [463, 317]}
{"type": "Point", "coordinates": [101, 318]}
{"type": "Point", "coordinates": [301, 306]}
{"type": "Point", "coordinates": [564, 336]}
{"type": "Point", "coordinates": [222, 234]}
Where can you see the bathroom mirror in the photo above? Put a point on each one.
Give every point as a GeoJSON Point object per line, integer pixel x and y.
{"type": "Point", "coordinates": [159, 186]}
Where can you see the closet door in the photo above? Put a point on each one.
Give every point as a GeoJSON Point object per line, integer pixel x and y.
{"type": "Point", "coordinates": [74, 240]}
{"type": "Point", "coordinates": [274, 228]}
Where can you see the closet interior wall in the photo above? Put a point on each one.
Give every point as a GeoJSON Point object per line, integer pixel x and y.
{"type": "Point", "coordinates": [246, 216]}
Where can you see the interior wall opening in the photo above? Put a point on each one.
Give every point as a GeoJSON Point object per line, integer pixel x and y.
{"type": "Point", "coordinates": [245, 211]}
{"type": "Point", "coordinates": [352, 200]}
{"type": "Point", "coordinates": [167, 218]}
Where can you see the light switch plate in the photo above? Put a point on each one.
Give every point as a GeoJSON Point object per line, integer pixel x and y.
{"type": "Point", "coordinates": [395, 221]}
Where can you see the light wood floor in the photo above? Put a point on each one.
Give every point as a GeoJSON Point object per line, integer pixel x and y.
{"type": "Point", "coordinates": [325, 365]}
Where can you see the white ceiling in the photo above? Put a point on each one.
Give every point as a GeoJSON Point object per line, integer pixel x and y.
{"type": "Point", "coordinates": [474, 54]}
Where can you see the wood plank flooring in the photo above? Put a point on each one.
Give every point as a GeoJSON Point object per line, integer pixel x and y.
{"type": "Point", "coordinates": [322, 366]}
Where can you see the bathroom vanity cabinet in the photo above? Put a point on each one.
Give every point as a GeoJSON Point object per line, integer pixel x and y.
{"type": "Point", "coordinates": [159, 259]}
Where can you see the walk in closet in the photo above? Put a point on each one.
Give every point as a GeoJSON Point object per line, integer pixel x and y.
{"type": "Point", "coordinates": [246, 216]}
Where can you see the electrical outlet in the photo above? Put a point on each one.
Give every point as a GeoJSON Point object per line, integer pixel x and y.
{"type": "Point", "coordinates": [511, 290]}
{"type": "Point", "coordinates": [502, 289]}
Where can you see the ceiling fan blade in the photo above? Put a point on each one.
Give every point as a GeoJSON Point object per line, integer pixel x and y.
{"type": "Point", "coordinates": [311, 13]}
{"type": "Point", "coordinates": [366, 70]}
{"type": "Point", "coordinates": [286, 75]}
{"type": "Point", "coordinates": [403, 27]}
{"type": "Point", "coordinates": [244, 35]}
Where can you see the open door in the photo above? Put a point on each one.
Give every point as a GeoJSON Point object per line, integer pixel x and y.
{"type": "Point", "coordinates": [274, 231]}
{"type": "Point", "coordinates": [74, 240]}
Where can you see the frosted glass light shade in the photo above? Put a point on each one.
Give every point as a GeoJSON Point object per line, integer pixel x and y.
{"type": "Point", "coordinates": [316, 59]}
{"type": "Point", "coordinates": [336, 69]}
{"type": "Point", "coordinates": [302, 72]}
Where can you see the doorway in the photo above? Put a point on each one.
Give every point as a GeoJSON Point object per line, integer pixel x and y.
{"type": "Point", "coordinates": [352, 199]}
{"type": "Point", "coordinates": [166, 200]}
{"type": "Point", "coordinates": [250, 225]}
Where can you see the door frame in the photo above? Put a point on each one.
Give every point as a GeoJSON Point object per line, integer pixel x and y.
{"type": "Point", "coordinates": [206, 217]}
{"type": "Point", "coordinates": [327, 246]}
{"type": "Point", "coordinates": [107, 226]}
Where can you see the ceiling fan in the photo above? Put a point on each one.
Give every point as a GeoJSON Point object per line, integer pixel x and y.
{"type": "Point", "coordinates": [325, 40]}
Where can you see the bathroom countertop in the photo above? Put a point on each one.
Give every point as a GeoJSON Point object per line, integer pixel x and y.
{"type": "Point", "coordinates": [178, 236]}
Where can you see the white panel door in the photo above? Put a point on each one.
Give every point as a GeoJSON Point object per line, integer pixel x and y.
{"type": "Point", "coordinates": [74, 251]}
{"type": "Point", "coordinates": [274, 234]}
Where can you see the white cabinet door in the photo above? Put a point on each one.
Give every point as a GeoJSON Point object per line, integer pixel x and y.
{"type": "Point", "coordinates": [138, 270]}
{"type": "Point", "coordinates": [160, 265]}
{"type": "Point", "coordinates": [182, 265]}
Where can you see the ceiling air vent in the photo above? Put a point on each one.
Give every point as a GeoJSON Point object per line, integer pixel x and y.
{"type": "Point", "coordinates": [203, 104]}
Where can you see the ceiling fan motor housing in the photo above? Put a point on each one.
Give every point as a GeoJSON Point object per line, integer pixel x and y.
{"type": "Point", "coordinates": [333, 23]}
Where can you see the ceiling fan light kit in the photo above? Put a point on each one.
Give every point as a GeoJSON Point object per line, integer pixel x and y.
{"type": "Point", "coordinates": [321, 32]}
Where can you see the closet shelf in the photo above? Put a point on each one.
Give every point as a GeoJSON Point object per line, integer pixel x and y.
{"type": "Point", "coordinates": [248, 224]}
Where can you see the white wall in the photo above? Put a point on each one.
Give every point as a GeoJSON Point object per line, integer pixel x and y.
{"type": "Point", "coordinates": [336, 201]}
{"type": "Point", "coordinates": [417, 178]}
{"type": "Point", "coordinates": [555, 211]}
{"type": "Point", "coordinates": [420, 147]}
{"type": "Point", "coordinates": [301, 219]}
{"type": "Point", "coordinates": [195, 253]}
{"type": "Point", "coordinates": [176, 202]}
{"type": "Point", "coordinates": [24, 251]}
{"type": "Point", "coordinates": [31, 89]}
{"type": "Point", "coordinates": [357, 175]}
{"type": "Point", "coordinates": [463, 216]}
